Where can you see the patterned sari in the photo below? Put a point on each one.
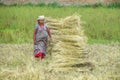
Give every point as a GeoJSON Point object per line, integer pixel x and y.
{"type": "Point", "coordinates": [41, 44]}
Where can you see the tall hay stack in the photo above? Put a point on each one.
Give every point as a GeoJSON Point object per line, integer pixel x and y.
{"type": "Point", "coordinates": [68, 51]}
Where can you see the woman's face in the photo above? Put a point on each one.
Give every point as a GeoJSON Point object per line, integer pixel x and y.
{"type": "Point", "coordinates": [41, 21]}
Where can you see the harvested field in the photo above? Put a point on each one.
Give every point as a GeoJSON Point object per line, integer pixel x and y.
{"type": "Point", "coordinates": [17, 63]}
{"type": "Point", "coordinates": [68, 58]}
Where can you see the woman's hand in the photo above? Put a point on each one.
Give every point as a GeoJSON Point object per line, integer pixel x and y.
{"type": "Point", "coordinates": [51, 40]}
{"type": "Point", "coordinates": [34, 42]}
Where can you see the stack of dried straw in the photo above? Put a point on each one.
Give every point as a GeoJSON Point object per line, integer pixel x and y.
{"type": "Point", "coordinates": [69, 41]}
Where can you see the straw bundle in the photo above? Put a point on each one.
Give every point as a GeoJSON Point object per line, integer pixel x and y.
{"type": "Point", "coordinates": [69, 41]}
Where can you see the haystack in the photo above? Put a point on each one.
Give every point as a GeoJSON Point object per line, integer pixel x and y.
{"type": "Point", "coordinates": [68, 50]}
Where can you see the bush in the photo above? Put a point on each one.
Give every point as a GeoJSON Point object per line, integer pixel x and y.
{"type": "Point", "coordinates": [54, 4]}
{"type": "Point", "coordinates": [29, 4]}
{"type": "Point", "coordinates": [2, 4]}
{"type": "Point", "coordinates": [41, 4]}
{"type": "Point", "coordinates": [114, 5]}
{"type": "Point", "coordinates": [15, 4]}
{"type": "Point", "coordinates": [97, 5]}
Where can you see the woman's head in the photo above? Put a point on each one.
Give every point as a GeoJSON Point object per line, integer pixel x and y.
{"type": "Point", "coordinates": [41, 19]}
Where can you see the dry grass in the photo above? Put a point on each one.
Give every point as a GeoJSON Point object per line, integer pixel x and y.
{"type": "Point", "coordinates": [17, 63]}
{"type": "Point", "coordinates": [68, 50]}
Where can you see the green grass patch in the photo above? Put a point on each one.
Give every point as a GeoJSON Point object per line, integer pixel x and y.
{"type": "Point", "coordinates": [17, 22]}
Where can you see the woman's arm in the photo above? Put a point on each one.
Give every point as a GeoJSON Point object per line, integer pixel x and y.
{"type": "Point", "coordinates": [49, 33]}
{"type": "Point", "coordinates": [34, 36]}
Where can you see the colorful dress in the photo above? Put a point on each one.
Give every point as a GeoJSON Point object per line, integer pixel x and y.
{"type": "Point", "coordinates": [41, 44]}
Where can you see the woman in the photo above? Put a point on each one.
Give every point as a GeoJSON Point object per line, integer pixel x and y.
{"type": "Point", "coordinates": [41, 34]}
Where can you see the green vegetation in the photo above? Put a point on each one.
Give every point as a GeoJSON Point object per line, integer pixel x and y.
{"type": "Point", "coordinates": [102, 25]}
{"type": "Point", "coordinates": [56, 4]}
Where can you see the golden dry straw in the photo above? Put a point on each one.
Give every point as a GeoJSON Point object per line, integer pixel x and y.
{"type": "Point", "coordinates": [69, 41]}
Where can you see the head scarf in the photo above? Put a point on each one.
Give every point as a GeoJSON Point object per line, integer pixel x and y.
{"type": "Point", "coordinates": [41, 17]}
